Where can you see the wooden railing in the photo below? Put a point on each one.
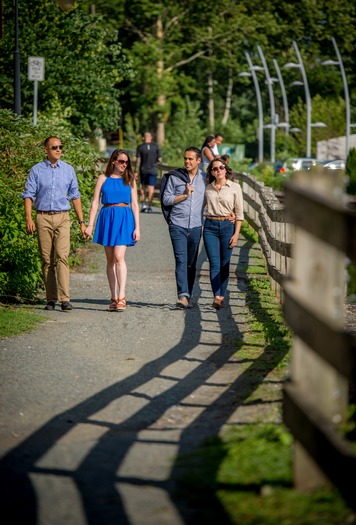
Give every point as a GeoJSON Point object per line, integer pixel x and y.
{"type": "Point", "coordinates": [307, 241]}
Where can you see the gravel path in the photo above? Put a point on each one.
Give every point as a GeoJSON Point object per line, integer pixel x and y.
{"type": "Point", "coordinates": [96, 406]}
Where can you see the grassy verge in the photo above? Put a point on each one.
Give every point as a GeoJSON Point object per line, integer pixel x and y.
{"type": "Point", "coordinates": [15, 321]}
{"type": "Point", "coordinates": [244, 475]}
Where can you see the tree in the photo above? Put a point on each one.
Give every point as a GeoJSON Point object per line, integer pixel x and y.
{"type": "Point", "coordinates": [84, 64]}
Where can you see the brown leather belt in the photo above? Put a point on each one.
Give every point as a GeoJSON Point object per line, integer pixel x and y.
{"type": "Point", "coordinates": [116, 204]}
{"type": "Point", "coordinates": [50, 212]}
{"type": "Point", "coordinates": [228, 218]}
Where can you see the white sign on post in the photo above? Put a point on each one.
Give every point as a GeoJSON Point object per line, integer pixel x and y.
{"type": "Point", "coordinates": [36, 67]}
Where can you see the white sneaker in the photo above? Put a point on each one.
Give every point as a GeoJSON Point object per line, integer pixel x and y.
{"type": "Point", "coordinates": [144, 207]}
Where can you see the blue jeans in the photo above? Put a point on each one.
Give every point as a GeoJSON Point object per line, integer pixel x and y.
{"type": "Point", "coordinates": [185, 244]}
{"type": "Point", "coordinates": [217, 235]}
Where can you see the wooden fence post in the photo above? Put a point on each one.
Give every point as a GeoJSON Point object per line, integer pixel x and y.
{"type": "Point", "coordinates": [317, 282]}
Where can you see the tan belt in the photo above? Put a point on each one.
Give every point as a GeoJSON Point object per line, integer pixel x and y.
{"type": "Point", "coordinates": [116, 204]}
{"type": "Point", "coordinates": [228, 218]}
{"type": "Point", "coordinates": [50, 212]}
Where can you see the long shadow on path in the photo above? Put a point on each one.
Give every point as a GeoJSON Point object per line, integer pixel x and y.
{"type": "Point", "coordinates": [176, 419]}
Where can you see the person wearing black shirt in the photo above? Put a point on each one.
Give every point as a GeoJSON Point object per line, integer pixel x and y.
{"type": "Point", "coordinates": [147, 156]}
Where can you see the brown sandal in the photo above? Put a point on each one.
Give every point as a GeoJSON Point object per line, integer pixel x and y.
{"type": "Point", "coordinates": [121, 304]}
{"type": "Point", "coordinates": [218, 303]}
{"type": "Point", "coordinates": [113, 305]}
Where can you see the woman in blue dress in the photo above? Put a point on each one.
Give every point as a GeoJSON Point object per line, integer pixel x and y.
{"type": "Point", "coordinates": [117, 225]}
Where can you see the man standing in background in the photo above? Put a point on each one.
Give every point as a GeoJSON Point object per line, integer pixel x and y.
{"type": "Point", "coordinates": [147, 156]}
{"type": "Point", "coordinates": [218, 141]}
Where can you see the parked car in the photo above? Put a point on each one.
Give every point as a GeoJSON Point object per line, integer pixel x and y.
{"type": "Point", "coordinates": [335, 164]}
{"type": "Point", "coordinates": [296, 164]}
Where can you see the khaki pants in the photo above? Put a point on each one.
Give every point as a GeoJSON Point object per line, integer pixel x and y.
{"type": "Point", "coordinates": [53, 232]}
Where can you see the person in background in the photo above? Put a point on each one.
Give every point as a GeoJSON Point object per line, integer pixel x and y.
{"type": "Point", "coordinates": [118, 224]}
{"type": "Point", "coordinates": [148, 155]}
{"type": "Point", "coordinates": [184, 193]}
{"type": "Point", "coordinates": [207, 153]}
{"type": "Point", "coordinates": [51, 185]}
{"type": "Point", "coordinates": [223, 219]}
{"type": "Point", "coordinates": [226, 158]}
{"type": "Point", "coordinates": [218, 141]}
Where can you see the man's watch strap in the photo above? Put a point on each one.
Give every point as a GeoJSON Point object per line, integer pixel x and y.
{"type": "Point", "coordinates": [81, 222]}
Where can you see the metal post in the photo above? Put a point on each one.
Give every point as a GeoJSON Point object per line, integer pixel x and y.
{"type": "Point", "coordinates": [347, 97]}
{"type": "Point", "coordinates": [307, 98]}
{"type": "Point", "coordinates": [284, 95]}
{"type": "Point", "coordinates": [259, 108]}
{"type": "Point", "coordinates": [35, 91]}
{"type": "Point", "coordinates": [17, 79]}
{"type": "Point", "coordinates": [271, 102]}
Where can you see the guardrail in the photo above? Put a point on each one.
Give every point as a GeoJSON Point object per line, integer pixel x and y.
{"type": "Point", "coordinates": [306, 243]}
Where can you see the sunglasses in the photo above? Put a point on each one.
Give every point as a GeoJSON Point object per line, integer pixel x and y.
{"type": "Point", "coordinates": [57, 147]}
{"type": "Point", "coordinates": [219, 168]}
{"type": "Point", "coordinates": [121, 161]}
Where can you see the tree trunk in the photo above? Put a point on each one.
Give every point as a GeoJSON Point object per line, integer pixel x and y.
{"type": "Point", "coordinates": [228, 99]}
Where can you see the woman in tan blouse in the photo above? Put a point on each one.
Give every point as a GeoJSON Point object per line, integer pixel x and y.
{"type": "Point", "coordinates": [223, 219]}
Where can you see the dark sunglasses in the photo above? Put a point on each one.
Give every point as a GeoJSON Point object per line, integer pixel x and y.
{"type": "Point", "coordinates": [56, 147]}
{"type": "Point", "coordinates": [121, 161]}
{"type": "Point", "coordinates": [219, 168]}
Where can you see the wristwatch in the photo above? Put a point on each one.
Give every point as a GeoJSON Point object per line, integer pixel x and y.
{"type": "Point", "coordinates": [81, 222]}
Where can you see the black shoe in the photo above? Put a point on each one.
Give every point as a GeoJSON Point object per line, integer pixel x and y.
{"type": "Point", "coordinates": [66, 306]}
{"type": "Point", "coordinates": [50, 305]}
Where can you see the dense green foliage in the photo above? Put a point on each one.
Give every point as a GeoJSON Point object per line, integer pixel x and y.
{"type": "Point", "coordinates": [138, 64]}
{"type": "Point", "coordinates": [84, 64]}
{"type": "Point", "coordinates": [351, 172]}
{"type": "Point", "coordinates": [21, 146]}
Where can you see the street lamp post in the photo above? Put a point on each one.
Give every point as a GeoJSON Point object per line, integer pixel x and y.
{"type": "Point", "coordinates": [252, 74]}
{"type": "Point", "coordinates": [17, 78]}
{"type": "Point", "coordinates": [271, 102]}
{"type": "Point", "coordinates": [284, 124]}
{"type": "Point", "coordinates": [339, 63]}
{"type": "Point", "coordinates": [300, 66]}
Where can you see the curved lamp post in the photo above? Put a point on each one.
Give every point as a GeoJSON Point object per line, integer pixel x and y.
{"type": "Point", "coordinates": [272, 124]}
{"type": "Point", "coordinates": [284, 124]}
{"type": "Point", "coordinates": [300, 66]}
{"type": "Point", "coordinates": [252, 74]}
{"type": "Point", "coordinates": [339, 63]}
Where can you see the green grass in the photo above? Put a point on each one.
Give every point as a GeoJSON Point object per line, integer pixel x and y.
{"type": "Point", "coordinates": [17, 320]}
{"type": "Point", "coordinates": [243, 476]}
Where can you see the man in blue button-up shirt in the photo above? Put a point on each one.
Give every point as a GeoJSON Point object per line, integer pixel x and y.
{"type": "Point", "coordinates": [50, 187]}
{"type": "Point", "coordinates": [185, 191]}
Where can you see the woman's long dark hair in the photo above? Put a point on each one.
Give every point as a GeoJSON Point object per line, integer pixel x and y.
{"type": "Point", "coordinates": [208, 139]}
{"type": "Point", "coordinates": [228, 169]}
{"type": "Point", "coordinates": [128, 175]}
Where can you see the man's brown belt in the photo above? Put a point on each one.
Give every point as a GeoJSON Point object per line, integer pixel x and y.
{"type": "Point", "coordinates": [50, 212]}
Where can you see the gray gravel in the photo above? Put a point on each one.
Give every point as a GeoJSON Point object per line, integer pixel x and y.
{"type": "Point", "coordinates": [96, 406]}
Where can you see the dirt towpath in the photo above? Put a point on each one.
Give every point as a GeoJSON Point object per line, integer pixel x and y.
{"type": "Point", "coordinates": [96, 407]}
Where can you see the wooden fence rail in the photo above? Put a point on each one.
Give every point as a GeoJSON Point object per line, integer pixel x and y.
{"type": "Point", "coordinates": [306, 242]}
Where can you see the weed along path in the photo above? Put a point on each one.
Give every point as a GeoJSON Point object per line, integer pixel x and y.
{"type": "Point", "coordinates": [98, 409]}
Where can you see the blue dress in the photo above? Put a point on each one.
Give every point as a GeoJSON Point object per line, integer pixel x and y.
{"type": "Point", "coordinates": [115, 224]}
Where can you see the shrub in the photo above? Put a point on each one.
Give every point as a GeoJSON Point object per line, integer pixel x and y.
{"type": "Point", "coordinates": [351, 172]}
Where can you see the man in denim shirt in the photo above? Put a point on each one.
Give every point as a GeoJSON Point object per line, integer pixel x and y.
{"type": "Point", "coordinates": [51, 185]}
{"type": "Point", "coordinates": [185, 191]}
